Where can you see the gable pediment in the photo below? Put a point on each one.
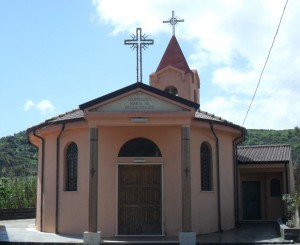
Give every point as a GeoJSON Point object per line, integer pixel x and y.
{"type": "Point", "coordinates": [139, 101]}
{"type": "Point", "coordinates": [139, 97]}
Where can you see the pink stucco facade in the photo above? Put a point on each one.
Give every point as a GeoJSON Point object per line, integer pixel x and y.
{"type": "Point", "coordinates": [72, 207]}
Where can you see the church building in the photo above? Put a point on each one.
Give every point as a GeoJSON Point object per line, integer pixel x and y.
{"type": "Point", "coordinates": [145, 160]}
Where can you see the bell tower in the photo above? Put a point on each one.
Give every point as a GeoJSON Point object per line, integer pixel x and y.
{"type": "Point", "coordinates": [174, 76]}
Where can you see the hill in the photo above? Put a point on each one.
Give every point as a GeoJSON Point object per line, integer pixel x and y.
{"type": "Point", "coordinates": [18, 157]}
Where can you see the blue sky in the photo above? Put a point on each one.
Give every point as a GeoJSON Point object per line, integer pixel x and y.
{"type": "Point", "coordinates": [58, 54]}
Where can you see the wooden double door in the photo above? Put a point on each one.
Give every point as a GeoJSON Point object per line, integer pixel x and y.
{"type": "Point", "coordinates": [139, 200]}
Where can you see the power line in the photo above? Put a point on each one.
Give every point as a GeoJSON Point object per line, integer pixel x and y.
{"type": "Point", "coordinates": [265, 62]}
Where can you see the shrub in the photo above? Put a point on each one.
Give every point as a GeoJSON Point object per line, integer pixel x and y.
{"type": "Point", "coordinates": [292, 202]}
{"type": "Point", "coordinates": [17, 192]}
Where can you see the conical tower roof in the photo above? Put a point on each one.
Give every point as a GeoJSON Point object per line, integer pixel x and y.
{"type": "Point", "coordinates": [173, 56]}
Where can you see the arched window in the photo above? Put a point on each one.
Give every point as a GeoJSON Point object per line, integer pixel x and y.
{"type": "Point", "coordinates": [275, 188]}
{"type": "Point", "coordinates": [171, 90]}
{"type": "Point", "coordinates": [206, 167]}
{"type": "Point", "coordinates": [71, 167]}
{"type": "Point", "coordinates": [139, 147]}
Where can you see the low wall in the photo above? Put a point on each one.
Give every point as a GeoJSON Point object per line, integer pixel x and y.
{"type": "Point", "coordinates": [23, 213]}
{"type": "Point", "coordinates": [288, 233]}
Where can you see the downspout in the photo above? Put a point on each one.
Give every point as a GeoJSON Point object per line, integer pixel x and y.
{"type": "Point", "coordinates": [236, 174]}
{"type": "Point", "coordinates": [218, 177]}
{"type": "Point", "coordinates": [286, 178]}
{"type": "Point", "coordinates": [42, 175]}
{"type": "Point", "coordinates": [57, 177]}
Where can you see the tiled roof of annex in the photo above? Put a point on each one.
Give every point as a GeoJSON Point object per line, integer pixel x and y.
{"type": "Point", "coordinates": [264, 154]}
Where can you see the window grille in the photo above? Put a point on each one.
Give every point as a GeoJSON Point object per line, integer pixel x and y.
{"type": "Point", "coordinates": [72, 162]}
{"type": "Point", "coordinates": [206, 168]}
{"type": "Point", "coordinates": [139, 147]}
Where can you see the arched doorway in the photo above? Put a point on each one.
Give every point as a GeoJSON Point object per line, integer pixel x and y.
{"type": "Point", "coordinates": [139, 190]}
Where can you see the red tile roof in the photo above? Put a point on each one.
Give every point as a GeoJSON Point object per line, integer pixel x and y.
{"type": "Point", "coordinates": [71, 115]}
{"type": "Point", "coordinates": [77, 114]}
{"type": "Point", "coordinates": [74, 115]}
{"type": "Point", "coordinates": [264, 154]}
{"type": "Point", "coordinates": [208, 116]}
{"type": "Point", "coordinates": [173, 56]}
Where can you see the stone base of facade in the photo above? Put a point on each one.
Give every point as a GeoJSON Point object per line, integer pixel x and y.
{"type": "Point", "coordinates": [187, 238]}
{"type": "Point", "coordinates": [91, 238]}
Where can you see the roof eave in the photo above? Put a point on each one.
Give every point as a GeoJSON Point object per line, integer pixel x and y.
{"type": "Point", "coordinates": [44, 124]}
{"type": "Point", "coordinates": [263, 162]}
{"type": "Point", "coordinates": [235, 126]}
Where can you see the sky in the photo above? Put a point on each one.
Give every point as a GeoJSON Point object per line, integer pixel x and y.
{"type": "Point", "coordinates": [58, 54]}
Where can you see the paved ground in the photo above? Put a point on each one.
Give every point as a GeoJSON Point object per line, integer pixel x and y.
{"type": "Point", "coordinates": [263, 232]}
{"type": "Point", "coordinates": [24, 231]}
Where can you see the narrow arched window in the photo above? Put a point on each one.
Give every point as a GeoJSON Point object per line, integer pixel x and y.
{"type": "Point", "coordinates": [206, 167]}
{"type": "Point", "coordinates": [71, 167]}
{"type": "Point", "coordinates": [275, 188]}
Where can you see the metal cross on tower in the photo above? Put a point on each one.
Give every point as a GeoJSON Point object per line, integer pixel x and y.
{"type": "Point", "coordinates": [173, 22]}
{"type": "Point", "coordinates": [138, 42]}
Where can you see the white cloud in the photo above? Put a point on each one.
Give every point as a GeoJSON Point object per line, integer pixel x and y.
{"type": "Point", "coordinates": [230, 40]}
{"type": "Point", "coordinates": [228, 108]}
{"type": "Point", "coordinates": [235, 81]}
{"type": "Point", "coordinates": [28, 105]}
{"type": "Point", "coordinates": [127, 15]}
{"type": "Point", "coordinates": [44, 106]}
{"type": "Point", "coordinates": [273, 112]}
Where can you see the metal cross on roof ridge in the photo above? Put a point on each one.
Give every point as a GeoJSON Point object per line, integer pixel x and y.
{"type": "Point", "coordinates": [139, 41]}
{"type": "Point", "coordinates": [173, 22]}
